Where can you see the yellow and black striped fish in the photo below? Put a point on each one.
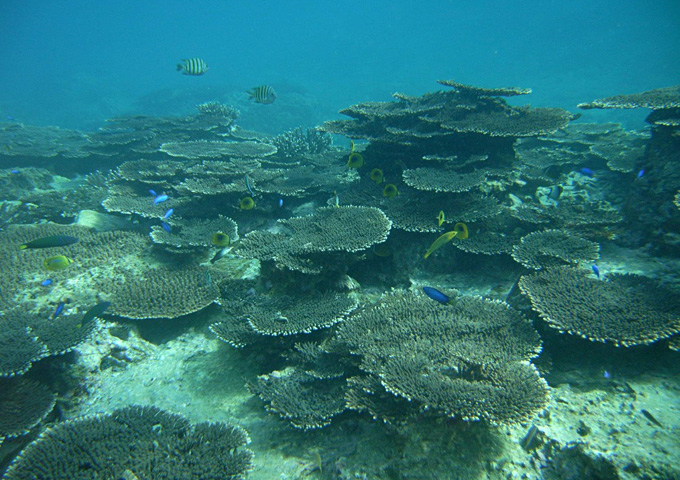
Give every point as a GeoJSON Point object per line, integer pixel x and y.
{"type": "Point", "coordinates": [192, 66]}
{"type": "Point", "coordinates": [262, 94]}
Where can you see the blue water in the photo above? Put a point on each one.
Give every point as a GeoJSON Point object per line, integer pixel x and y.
{"type": "Point", "coordinates": [73, 63]}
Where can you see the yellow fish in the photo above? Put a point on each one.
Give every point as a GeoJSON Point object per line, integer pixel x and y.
{"type": "Point", "coordinates": [220, 239]}
{"type": "Point", "coordinates": [441, 217]}
{"type": "Point", "coordinates": [390, 191]}
{"type": "Point", "coordinates": [376, 176]}
{"type": "Point", "coordinates": [247, 203]}
{"type": "Point", "coordinates": [462, 230]}
{"type": "Point", "coordinates": [56, 263]}
{"type": "Point", "coordinates": [355, 159]}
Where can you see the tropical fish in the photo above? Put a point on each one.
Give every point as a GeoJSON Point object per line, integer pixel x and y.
{"type": "Point", "coordinates": [51, 241]}
{"type": "Point", "coordinates": [376, 175]}
{"type": "Point", "coordinates": [56, 263]}
{"type": "Point", "coordinates": [462, 230]}
{"type": "Point", "coordinates": [192, 66]}
{"type": "Point", "coordinates": [440, 242]}
{"type": "Point", "coordinates": [96, 311]}
{"type": "Point", "coordinates": [280, 202]}
{"type": "Point", "coordinates": [14, 170]}
{"type": "Point", "coordinates": [555, 192]}
{"type": "Point", "coordinates": [441, 217]}
{"type": "Point", "coordinates": [47, 282]}
{"type": "Point", "coordinates": [337, 198]}
{"type": "Point", "coordinates": [250, 189]}
{"type": "Point", "coordinates": [435, 294]}
{"type": "Point", "coordinates": [264, 94]}
{"type": "Point", "coordinates": [168, 212]}
{"type": "Point", "coordinates": [160, 199]}
{"type": "Point", "coordinates": [58, 310]}
{"type": "Point", "coordinates": [220, 239]}
{"type": "Point", "coordinates": [355, 160]}
{"type": "Point", "coordinates": [640, 174]}
{"type": "Point", "coordinates": [587, 172]}
{"type": "Point", "coordinates": [596, 270]}
{"type": "Point", "coordinates": [607, 375]}
{"type": "Point", "coordinates": [221, 253]}
{"type": "Point", "coordinates": [166, 227]}
{"type": "Point", "coordinates": [390, 190]}
{"type": "Point", "coordinates": [153, 192]}
{"type": "Point", "coordinates": [247, 203]}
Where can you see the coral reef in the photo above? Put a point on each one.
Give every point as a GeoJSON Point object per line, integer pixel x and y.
{"type": "Point", "coordinates": [554, 247]}
{"type": "Point", "coordinates": [297, 142]}
{"type": "Point", "coordinates": [625, 310]}
{"type": "Point", "coordinates": [165, 446]}
{"type": "Point", "coordinates": [464, 349]}
{"type": "Point", "coordinates": [23, 404]}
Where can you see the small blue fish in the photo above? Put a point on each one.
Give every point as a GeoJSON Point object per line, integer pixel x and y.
{"type": "Point", "coordinates": [14, 170]}
{"type": "Point", "coordinates": [280, 202]}
{"type": "Point", "coordinates": [167, 213]}
{"type": "Point", "coordinates": [640, 173]}
{"type": "Point", "coordinates": [250, 189]}
{"type": "Point", "coordinates": [57, 312]}
{"type": "Point", "coordinates": [435, 294]}
{"type": "Point", "coordinates": [596, 270]}
{"type": "Point", "coordinates": [10, 118]}
{"type": "Point", "coordinates": [46, 282]}
{"type": "Point", "coordinates": [153, 193]}
{"type": "Point", "coordinates": [160, 199]}
{"type": "Point", "coordinates": [587, 172]}
{"type": "Point", "coordinates": [607, 375]}
{"type": "Point", "coordinates": [166, 227]}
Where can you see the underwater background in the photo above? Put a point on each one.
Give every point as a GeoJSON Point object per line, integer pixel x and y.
{"type": "Point", "coordinates": [340, 240]}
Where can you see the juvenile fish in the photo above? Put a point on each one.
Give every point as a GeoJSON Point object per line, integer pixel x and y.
{"type": "Point", "coordinates": [651, 418]}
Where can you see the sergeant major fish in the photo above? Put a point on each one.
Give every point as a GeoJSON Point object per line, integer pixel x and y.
{"type": "Point", "coordinates": [264, 94]}
{"type": "Point", "coordinates": [192, 66]}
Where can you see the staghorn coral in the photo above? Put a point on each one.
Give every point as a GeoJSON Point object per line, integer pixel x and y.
{"type": "Point", "coordinates": [625, 310]}
{"type": "Point", "coordinates": [23, 404]}
{"type": "Point", "coordinates": [161, 292]}
{"type": "Point", "coordinates": [467, 350]}
{"type": "Point", "coordinates": [215, 149]}
{"type": "Point", "coordinates": [146, 441]}
{"type": "Point", "coordinates": [554, 247]}
{"type": "Point", "coordinates": [307, 402]}
{"type": "Point", "coordinates": [297, 142]}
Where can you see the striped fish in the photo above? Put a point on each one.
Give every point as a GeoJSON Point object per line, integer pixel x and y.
{"type": "Point", "coordinates": [192, 66]}
{"type": "Point", "coordinates": [262, 94]}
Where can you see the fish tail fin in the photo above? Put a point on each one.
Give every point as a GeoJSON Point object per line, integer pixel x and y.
{"type": "Point", "coordinates": [23, 247]}
{"type": "Point", "coordinates": [180, 67]}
